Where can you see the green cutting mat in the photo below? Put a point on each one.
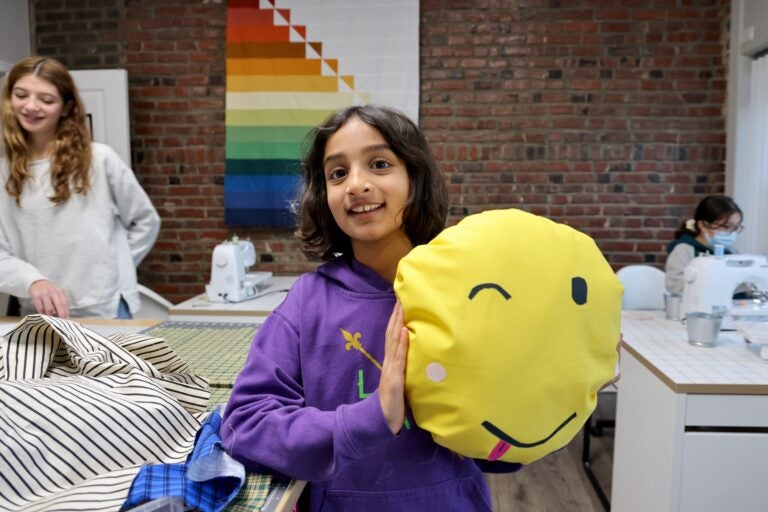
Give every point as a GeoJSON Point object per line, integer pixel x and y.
{"type": "Point", "coordinates": [215, 350]}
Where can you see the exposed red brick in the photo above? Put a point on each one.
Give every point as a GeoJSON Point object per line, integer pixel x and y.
{"type": "Point", "coordinates": [608, 116]}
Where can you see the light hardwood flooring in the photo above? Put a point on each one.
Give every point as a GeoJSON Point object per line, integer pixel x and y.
{"type": "Point", "coordinates": [558, 483]}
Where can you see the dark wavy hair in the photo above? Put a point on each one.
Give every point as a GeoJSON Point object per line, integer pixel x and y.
{"type": "Point", "coordinates": [710, 210]}
{"type": "Point", "coordinates": [425, 210]}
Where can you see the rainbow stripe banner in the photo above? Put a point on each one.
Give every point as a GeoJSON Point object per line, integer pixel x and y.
{"type": "Point", "coordinates": [291, 63]}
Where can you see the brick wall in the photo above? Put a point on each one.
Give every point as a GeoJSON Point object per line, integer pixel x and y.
{"type": "Point", "coordinates": [84, 34]}
{"type": "Point", "coordinates": [607, 115]}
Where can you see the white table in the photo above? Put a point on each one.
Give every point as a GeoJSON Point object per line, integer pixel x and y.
{"type": "Point", "coordinates": [200, 309]}
{"type": "Point", "coordinates": [691, 422]}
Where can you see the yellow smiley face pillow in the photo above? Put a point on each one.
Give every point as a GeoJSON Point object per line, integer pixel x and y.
{"type": "Point", "coordinates": [514, 321]}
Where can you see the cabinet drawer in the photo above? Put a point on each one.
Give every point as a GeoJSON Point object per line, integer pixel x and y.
{"type": "Point", "coordinates": [726, 411]}
{"type": "Point", "coordinates": [724, 471]}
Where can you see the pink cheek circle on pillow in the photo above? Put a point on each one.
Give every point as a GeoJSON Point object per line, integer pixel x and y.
{"type": "Point", "coordinates": [436, 372]}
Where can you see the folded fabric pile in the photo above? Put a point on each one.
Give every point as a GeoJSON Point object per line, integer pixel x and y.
{"type": "Point", "coordinates": [81, 413]}
{"type": "Point", "coordinates": [207, 481]}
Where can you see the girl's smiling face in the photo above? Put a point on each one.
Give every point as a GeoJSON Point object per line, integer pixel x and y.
{"type": "Point", "coordinates": [367, 185]}
{"type": "Point", "coordinates": [37, 105]}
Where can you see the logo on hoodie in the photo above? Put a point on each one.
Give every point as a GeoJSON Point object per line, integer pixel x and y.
{"type": "Point", "coordinates": [353, 342]}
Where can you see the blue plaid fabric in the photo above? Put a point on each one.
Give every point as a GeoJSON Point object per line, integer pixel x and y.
{"type": "Point", "coordinates": [207, 481]}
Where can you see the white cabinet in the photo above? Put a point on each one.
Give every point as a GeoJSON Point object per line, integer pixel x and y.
{"type": "Point", "coordinates": [691, 424]}
{"type": "Point", "coordinates": [724, 471]}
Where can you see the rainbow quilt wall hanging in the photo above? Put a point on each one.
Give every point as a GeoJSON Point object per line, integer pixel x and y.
{"type": "Point", "coordinates": [290, 63]}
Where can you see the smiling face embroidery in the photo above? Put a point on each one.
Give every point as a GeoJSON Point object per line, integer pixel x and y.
{"type": "Point", "coordinates": [510, 337]}
{"type": "Point", "coordinates": [579, 295]}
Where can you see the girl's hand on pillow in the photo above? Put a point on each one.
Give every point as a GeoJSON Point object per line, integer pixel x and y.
{"type": "Point", "coordinates": [392, 382]}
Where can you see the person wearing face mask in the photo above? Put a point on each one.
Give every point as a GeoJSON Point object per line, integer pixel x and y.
{"type": "Point", "coordinates": [716, 221]}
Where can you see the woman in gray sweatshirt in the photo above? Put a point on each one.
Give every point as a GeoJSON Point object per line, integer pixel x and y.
{"type": "Point", "coordinates": [74, 221]}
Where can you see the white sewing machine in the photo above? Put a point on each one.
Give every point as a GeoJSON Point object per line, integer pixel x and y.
{"type": "Point", "coordinates": [230, 279]}
{"type": "Point", "coordinates": [711, 281]}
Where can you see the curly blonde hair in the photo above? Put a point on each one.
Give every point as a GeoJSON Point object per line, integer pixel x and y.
{"type": "Point", "coordinates": [72, 147]}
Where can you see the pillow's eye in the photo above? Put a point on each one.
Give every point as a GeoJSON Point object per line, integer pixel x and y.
{"type": "Point", "coordinates": [579, 290]}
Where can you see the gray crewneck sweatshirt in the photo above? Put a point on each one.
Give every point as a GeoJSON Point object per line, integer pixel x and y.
{"type": "Point", "coordinates": [89, 245]}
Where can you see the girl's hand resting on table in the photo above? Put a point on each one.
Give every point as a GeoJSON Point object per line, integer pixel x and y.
{"type": "Point", "coordinates": [392, 382]}
{"type": "Point", "coordinates": [49, 299]}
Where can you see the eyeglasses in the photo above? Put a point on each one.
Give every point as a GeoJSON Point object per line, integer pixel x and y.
{"type": "Point", "coordinates": [727, 227]}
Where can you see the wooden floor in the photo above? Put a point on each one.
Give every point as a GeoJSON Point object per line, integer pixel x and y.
{"type": "Point", "coordinates": [558, 483]}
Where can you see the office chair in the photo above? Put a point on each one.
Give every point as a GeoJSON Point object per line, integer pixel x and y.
{"type": "Point", "coordinates": [153, 305]}
{"type": "Point", "coordinates": [643, 287]}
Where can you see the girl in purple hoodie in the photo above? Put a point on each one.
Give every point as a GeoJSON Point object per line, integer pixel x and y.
{"type": "Point", "coordinates": [321, 395]}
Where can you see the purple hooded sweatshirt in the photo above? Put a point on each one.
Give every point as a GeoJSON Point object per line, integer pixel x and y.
{"type": "Point", "coordinates": [306, 405]}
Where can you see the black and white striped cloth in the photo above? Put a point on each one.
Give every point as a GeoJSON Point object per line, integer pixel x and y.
{"type": "Point", "coordinates": [80, 413]}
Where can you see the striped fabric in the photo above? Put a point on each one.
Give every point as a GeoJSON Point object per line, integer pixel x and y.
{"type": "Point", "coordinates": [80, 413]}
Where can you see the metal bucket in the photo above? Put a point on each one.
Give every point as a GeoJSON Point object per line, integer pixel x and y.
{"type": "Point", "coordinates": [703, 328]}
{"type": "Point", "coordinates": [672, 305]}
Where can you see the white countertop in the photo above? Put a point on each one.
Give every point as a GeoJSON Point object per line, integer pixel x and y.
{"type": "Point", "coordinates": [732, 366]}
{"type": "Point", "coordinates": [268, 298]}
